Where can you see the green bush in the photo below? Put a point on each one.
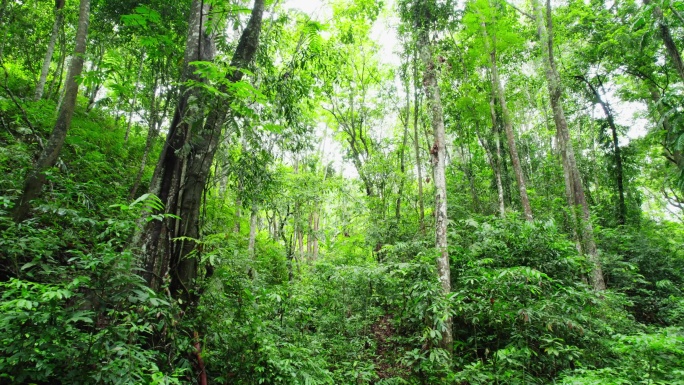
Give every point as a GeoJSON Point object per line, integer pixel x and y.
{"type": "Point", "coordinates": [81, 315]}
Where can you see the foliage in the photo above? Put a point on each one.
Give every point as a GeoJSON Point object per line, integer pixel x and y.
{"type": "Point", "coordinates": [522, 309]}
{"type": "Point", "coordinates": [80, 315]}
{"type": "Point", "coordinates": [652, 358]}
{"type": "Point", "coordinates": [315, 235]}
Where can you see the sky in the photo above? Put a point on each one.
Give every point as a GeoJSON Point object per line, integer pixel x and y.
{"type": "Point", "coordinates": [310, 7]}
{"type": "Point", "coordinates": [384, 33]}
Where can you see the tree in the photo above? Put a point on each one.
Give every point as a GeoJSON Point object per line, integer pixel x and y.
{"type": "Point", "coordinates": [573, 182]}
{"type": "Point", "coordinates": [438, 153]}
{"type": "Point", "coordinates": [499, 92]}
{"type": "Point", "coordinates": [617, 154]}
{"type": "Point", "coordinates": [48, 157]}
{"type": "Point", "coordinates": [185, 162]}
{"type": "Point", "coordinates": [59, 17]}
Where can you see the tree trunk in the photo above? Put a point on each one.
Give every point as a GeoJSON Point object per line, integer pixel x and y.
{"type": "Point", "coordinates": [92, 92]}
{"type": "Point", "coordinates": [619, 178]}
{"type": "Point", "coordinates": [498, 90]}
{"type": "Point", "coordinates": [59, 72]}
{"type": "Point", "coordinates": [469, 173]}
{"type": "Point", "coordinates": [180, 176]}
{"type": "Point", "coordinates": [238, 206]}
{"type": "Point", "coordinates": [676, 58]}
{"type": "Point", "coordinates": [416, 142]}
{"type": "Point", "coordinates": [36, 178]}
{"type": "Point", "coordinates": [300, 239]}
{"type": "Point", "coordinates": [154, 128]}
{"type": "Point", "coordinates": [573, 183]}
{"type": "Point", "coordinates": [252, 230]}
{"type": "Point", "coordinates": [316, 227]}
{"type": "Point", "coordinates": [496, 158]}
{"type": "Point", "coordinates": [438, 153]}
{"type": "Point", "coordinates": [668, 41]}
{"type": "Point", "coordinates": [402, 151]}
{"type": "Point", "coordinates": [50, 51]}
{"type": "Point", "coordinates": [309, 235]}
{"type": "Point", "coordinates": [4, 26]}
{"type": "Point", "coordinates": [3, 9]}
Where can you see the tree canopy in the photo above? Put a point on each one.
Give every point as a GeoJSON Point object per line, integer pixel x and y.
{"type": "Point", "coordinates": [372, 192]}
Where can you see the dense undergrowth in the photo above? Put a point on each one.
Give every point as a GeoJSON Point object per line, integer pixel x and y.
{"type": "Point", "coordinates": [74, 310]}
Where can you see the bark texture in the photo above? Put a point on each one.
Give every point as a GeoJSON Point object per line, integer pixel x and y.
{"type": "Point", "coordinates": [438, 153]}
{"type": "Point", "coordinates": [180, 176]}
{"type": "Point", "coordinates": [573, 184]}
{"type": "Point", "coordinates": [416, 143]}
{"type": "Point", "coordinates": [48, 157]}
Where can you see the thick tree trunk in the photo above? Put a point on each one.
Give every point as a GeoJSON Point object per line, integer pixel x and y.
{"type": "Point", "coordinates": [36, 178]}
{"type": "Point", "coordinates": [438, 152]}
{"type": "Point", "coordinates": [50, 51]}
{"type": "Point", "coordinates": [185, 162]}
{"type": "Point", "coordinates": [573, 183]}
{"type": "Point", "coordinates": [159, 253]}
{"type": "Point", "coordinates": [498, 90]}
{"type": "Point", "coordinates": [505, 175]}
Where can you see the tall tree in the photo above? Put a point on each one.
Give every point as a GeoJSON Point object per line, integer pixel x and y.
{"type": "Point", "coordinates": [668, 40]}
{"type": "Point", "coordinates": [438, 153]}
{"type": "Point", "coordinates": [59, 17]}
{"type": "Point", "coordinates": [416, 142]}
{"type": "Point", "coordinates": [48, 157]}
{"type": "Point", "coordinates": [184, 165]}
{"type": "Point", "coordinates": [675, 57]}
{"type": "Point", "coordinates": [573, 184]}
{"type": "Point", "coordinates": [499, 92]}
{"type": "Point", "coordinates": [617, 153]}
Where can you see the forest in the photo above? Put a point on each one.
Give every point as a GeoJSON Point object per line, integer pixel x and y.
{"type": "Point", "coordinates": [288, 192]}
